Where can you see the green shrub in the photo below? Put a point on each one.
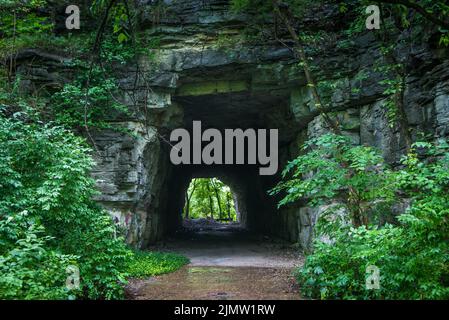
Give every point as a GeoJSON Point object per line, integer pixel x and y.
{"type": "Point", "coordinates": [411, 266]}
{"type": "Point", "coordinates": [412, 254]}
{"type": "Point", "coordinates": [147, 264]}
{"type": "Point", "coordinates": [332, 169]}
{"type": "Point", "coordinates": [29, 268]}
{"type": "Point", "coordinates": [44, 171]}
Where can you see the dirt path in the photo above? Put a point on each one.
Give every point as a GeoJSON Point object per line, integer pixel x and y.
{"type": "Point", "coordinates": [225, 264]}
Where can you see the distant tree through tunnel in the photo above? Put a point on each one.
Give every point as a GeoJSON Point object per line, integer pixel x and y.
{"type": "Point", "coordinates": [209, 198]}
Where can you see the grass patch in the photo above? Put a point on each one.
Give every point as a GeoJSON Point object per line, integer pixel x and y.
{"type": "Point", "coordinates": [147, 264]}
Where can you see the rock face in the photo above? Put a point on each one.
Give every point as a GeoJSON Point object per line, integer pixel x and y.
{"type": "Point", "coordinates": [204, 70]}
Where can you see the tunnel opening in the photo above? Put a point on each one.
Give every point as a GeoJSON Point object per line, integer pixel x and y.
{"type": "Point", "coordinates": [210, 198]}
{"type": "Point", "coordinates": [252, 210]}
{"type": "Point", "coordinates": [243, 108]}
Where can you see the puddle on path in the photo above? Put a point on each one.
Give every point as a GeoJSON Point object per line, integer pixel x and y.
{"type": "Point", "coordinates": [217, 283]}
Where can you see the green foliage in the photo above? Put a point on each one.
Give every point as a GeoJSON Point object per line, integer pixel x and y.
{"type": "Point", "coordinates": [29, 268]}
{"type": "Point", "coordinates": [22, 5]}
{"type": "Point", "coordinates": [393, 82]}
{"type": "Point", "coordinates": [337, 270]}
{"type": "Point", "coordinates": [19, 23]}
{"type": "Point", "coordinates": [120, 18]}
{"type": "Point", "coordinates": [148, 264]}
{"type": "Point", "coordinates": [331, 168]}
{"type": "Point", "coordinates": [209, 198]}
{"type": "Point", "coordinates": [444, 40]}
{"type": "Point", "coordinates": [48, 219]}
{"type": "Point", "coordinates": [30, 23]}
{"type": "Point", "coordinates": [89, 100]}
{"type": "Point", "coordinates": [44, 173]}
{"type": "Point", "coordinates": [412, 254]}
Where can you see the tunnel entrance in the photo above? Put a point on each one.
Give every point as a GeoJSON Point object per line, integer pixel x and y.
{"type": "Point", "coordinates": [225, 107]}
{"type": "Point", "coordinates": [146, 192]}
{"type": "Point", "coordinates": [244, 202]}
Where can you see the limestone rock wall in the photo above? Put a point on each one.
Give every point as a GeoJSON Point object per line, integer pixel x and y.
{"type": "Point", "coordinates": [131, 175]}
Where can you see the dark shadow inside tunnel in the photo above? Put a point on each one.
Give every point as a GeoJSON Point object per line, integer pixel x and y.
{"type": "Point", "coordinates": [249, 209]}
{"type": "Point", "coordinates": [256, 211]}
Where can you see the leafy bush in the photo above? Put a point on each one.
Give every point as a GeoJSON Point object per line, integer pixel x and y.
{"type": "Point", "coordinates": [147, 264]}
{"type": "Point", "coordinates": [44, 172]}
{"type": "Point", "coordinates": [29, 268]}
{"type": "Point", "coordinates": [331, 169]}
{"type": "Point", "coordinates": [76, 106]}
{"type": "Point", "coordinates": [412, 254]}
{"type": "Point", "coordinates": [412, 266]}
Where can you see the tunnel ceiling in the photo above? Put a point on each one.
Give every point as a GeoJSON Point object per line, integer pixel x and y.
{"type": "Point", "coordinates": [239, 109]}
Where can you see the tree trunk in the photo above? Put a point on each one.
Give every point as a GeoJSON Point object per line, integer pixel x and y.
{"type": "Point", "coordinates": [188, 197]}
{"type": "Point", "coordinates": [220, 213]}
{"type": "Point", "coordinates": [187, 208]}
{"type": "Point", "coordinates": [311, 83]}
{"type": "Point", "coordinates": [421, 10]}
{"type": "Point", "coordinates": [402, 119]}
{"type": "Point", "coordinates": [211, 204]}
{"type": "Point", "coordinates": [333, 125]}
{"type": "Point", "coordinates": [228, 204]}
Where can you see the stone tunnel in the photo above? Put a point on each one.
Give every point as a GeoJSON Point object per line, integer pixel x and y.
{"type": "Point", "coordinates": [195, 75]}
{"type": "Point", "coordinates": [145, 191]}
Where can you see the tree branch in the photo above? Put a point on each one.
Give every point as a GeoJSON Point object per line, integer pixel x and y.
{"type": "Point", "coordinates": [311, 83]}
{"type": "Point", "coordinates": [421, 10]}
{"type": "Point", "coordinates": [102, 26]}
